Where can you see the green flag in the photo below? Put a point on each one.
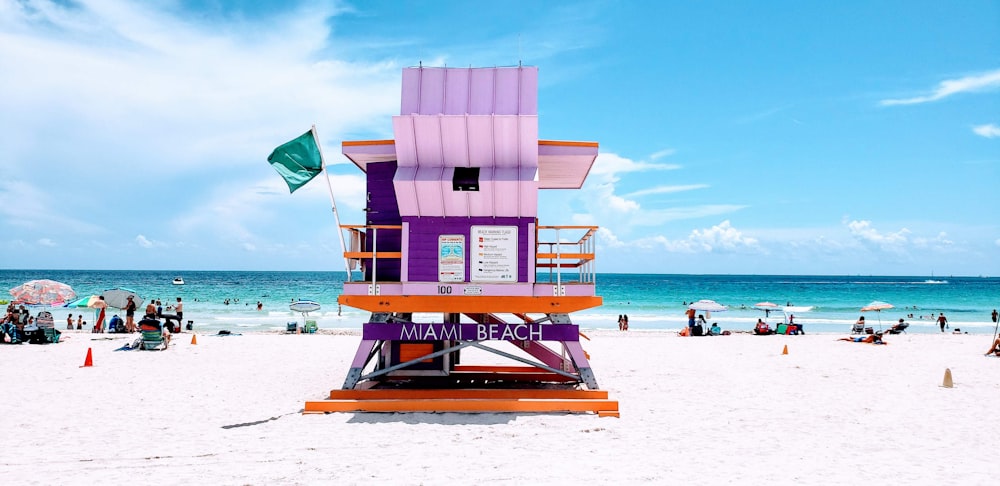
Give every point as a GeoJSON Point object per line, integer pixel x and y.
{"type": "Point", "coordinates": [298, 161]}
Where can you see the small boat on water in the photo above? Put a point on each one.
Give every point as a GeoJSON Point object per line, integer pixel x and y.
{"type": "Point", "coordinates": [178, 281]}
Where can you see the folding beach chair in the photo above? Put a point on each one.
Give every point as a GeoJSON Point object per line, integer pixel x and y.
{"type": "Point", "coordinates": [311, 327]}
{"type": "Point", "coordinates": [152, 334]}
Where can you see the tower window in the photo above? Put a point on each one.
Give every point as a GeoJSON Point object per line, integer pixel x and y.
{"type": "Point", "coordinates": [465, 179]}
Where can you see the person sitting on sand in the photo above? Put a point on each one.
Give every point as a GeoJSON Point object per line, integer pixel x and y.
{"type": "Point", "coordinates": [995, 349]}
{"type": "Point", "coordinates": [872, 338]}
{"type": "Point", "coordinates": [715, 330]}
{"type": "Point", "coordinates": [762, 328]}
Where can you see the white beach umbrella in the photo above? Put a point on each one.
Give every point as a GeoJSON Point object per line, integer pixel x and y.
{"type": "Point", "coordinates": [767, 307]}
{"type": "Point", "coordinates": [708, 306]}
{"type": "Point", "coordinates": [877, 306]}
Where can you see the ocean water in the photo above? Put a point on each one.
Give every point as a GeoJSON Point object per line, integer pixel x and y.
{"type": "Point", "coordinates": [652, 302]}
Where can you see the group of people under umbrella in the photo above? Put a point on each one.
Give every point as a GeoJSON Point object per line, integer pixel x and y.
{"type": "Point", "coordinates": [49, 293]}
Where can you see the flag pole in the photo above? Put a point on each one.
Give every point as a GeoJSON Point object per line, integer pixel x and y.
{"type": "Point", "coordinates": [333, 203]}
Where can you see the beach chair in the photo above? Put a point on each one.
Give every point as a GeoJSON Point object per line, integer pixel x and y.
{"type": "Point", "coordinates": [47, 332]}
{"type": "Point", "coordinates": [152, 334]}
{"type": "Point", "coordinates": [858, 328]}
{"type": "Point", "coordinates": [10, 329]}
{"type": "Point", "coordinates": [898, 328]}
{"type": "Point", "coordinates": [311, 327]}
{"type": "Point", "coordinates": [291, 327]}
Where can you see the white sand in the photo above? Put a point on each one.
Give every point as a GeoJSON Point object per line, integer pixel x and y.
{"type": "Point", "coordinates": [711, 410]}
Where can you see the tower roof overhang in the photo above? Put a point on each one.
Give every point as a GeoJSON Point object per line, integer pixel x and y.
{"type": "Point", "coordinates": [561, 164]}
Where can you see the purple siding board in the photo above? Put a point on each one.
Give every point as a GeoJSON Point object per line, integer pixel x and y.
{"type": "Point", "coordinates": [383, 209]}
{"type": "Point", "coordinates": [423, 249]}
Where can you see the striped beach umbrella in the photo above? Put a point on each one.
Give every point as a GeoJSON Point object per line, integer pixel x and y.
{"type": "Point", "coordinates": [42, 292]}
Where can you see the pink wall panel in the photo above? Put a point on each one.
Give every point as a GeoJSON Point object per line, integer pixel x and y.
{"type": "Point", "coordinates": [505, 198]}
{"type": "Point", "coordinates": [456, 142]}
{"type": "Point", "coordinates": [457, 91]}
{"type": "Point", "coordinates": [529, 192]}
{"type": "Point", "coordinates": [408, 98]}
{"type": "Point", "coordinates": [428, 187]}
{"type": "Point", "coordinates": [529, 141]}
{"type": "Point", "coordinates": [480, 141]}
{"type": "Point", "coordinates": [456, 203]}
{"type": "Point", "coordinates": [505, 139]}
{"type": "Point", "coordinates": [402, 128]}
{"type": "Point", "coordinates": [432, 92]}
{"type": "Point", "coordinates": [529, 91]}
{"type": "Point", "coordinates": [428, 139]}
{"type": "Point", "coordinates": [456, 100]}
{"type": "Point", "coordinates": [507, 96]}
{"type": "Point", "coordinates": [406, 190]}
{"type": "Point", "coordinates": [482, 92]}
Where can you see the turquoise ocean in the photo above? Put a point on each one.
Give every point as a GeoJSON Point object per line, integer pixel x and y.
{"type": "Point", "coordinates": [652, 302]}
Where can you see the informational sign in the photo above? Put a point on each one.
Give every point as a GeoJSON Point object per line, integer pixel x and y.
{"type": "Point", "coordinates": [413, 331]}
{"type": "Point", "coordinates": [451, 258]}
{"type": "Point", "coordinates": [494, 254]}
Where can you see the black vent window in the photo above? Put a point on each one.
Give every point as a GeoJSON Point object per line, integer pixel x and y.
{"type": "Point", "coordinates": [465, 179]}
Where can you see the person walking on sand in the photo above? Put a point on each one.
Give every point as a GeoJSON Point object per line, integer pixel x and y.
{"type": "Point", "coordinates": [942, 321]}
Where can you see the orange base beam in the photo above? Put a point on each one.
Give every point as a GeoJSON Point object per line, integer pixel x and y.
{"type": "Point", "coordinates": [467, 401]}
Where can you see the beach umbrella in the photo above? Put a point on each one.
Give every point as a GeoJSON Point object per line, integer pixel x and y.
{"type": "Point", "coordinates": [877, 306]}
{"type": "Point", "coordinates": [708, 306]}
{"type": "Point", "coordinates": [767, 307]}
{"type": "Point", "coordinates": [118, 297]}
{"type": "Point", "coordinates": [42, 292]}
{"type": "Point", "coordinates": [83, 302]}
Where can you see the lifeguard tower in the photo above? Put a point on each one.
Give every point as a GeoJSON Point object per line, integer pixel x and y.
{"type": "Point", "coordinates": [453, 256]}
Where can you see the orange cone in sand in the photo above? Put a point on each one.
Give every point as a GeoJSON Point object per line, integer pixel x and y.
{"type": "Point", "coordinates": [90, 359]}
{"type": "Point", "coordinates": [785, 351]}
{"type": "Point", "coordinates": [194, 339]}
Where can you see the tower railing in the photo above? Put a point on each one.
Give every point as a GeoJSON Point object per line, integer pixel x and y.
{"type": "Point", "coordinates": [566, 251]}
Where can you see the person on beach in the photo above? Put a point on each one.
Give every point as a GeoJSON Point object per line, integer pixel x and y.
{"type": "Point", "coordinates": [79, 322]}
{"type": "Point", "coordinates": [150, 310]}
{"type": "Point", "coordinates": [101, 307]}
{"type": "Point", "coordinates": [621, 323]}
{"type": "Point", "coordinates": [625, 320]}
{"type": "Point", "coordinates": [715, 330]}
{"type": "Point", "coordinates": [130, 315]}
{"type": "Point", "coordinates": [690, 313]}
{"type": "Point", "coordinates": [762, 328]}
{"type": "Point", "coordinates": [179, 310]}
{"type": "Point", "coordinates": [69, 322]}
{"type": "Point", "coordinates": [942, 321]}
{"type": "Point", "coordinates": [995, 349]}
{"type": "Point", "coordinates": [994, 315]}
{"type": "Point", "coordinates": [872, 338]}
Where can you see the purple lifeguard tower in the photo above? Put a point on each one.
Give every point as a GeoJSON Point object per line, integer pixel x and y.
{"type": "Point", "coordinates": [452, 255]}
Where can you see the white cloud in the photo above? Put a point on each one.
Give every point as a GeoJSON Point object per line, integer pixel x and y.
{"type": "Point", "coordinates": [667, 190]}
{"type": "Point", "coordinates": [609, 164]}
{"type": "Point", "coordinates": [721, 238]}
{"type": "Point", "coordinates": [662, 153]}
{"type": "Point", "coordinates": [46, 242]}
{"type": "Point", "coordinates": [144, 242]}
{"type": "Point", "coordinates": [989, 130]}
{"type": "Point", "coordinates": [948, 87]}
{"type": "Point", "coordinates": [866, 233]}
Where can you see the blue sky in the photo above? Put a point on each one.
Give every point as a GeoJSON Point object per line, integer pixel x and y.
{"type": "Point", "coordinates": [779, 137]}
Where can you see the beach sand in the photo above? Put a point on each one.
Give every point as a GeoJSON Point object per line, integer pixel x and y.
{"type": "Point", "coordinates": [708, 410]}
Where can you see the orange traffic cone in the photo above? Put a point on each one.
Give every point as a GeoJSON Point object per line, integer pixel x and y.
{"type": "Point", "coordinates": [785, 351]}
{"type": "Point", "coordinates": [90, 359]}
{"type": "Point", "coordinates": [194, 339]}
